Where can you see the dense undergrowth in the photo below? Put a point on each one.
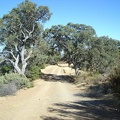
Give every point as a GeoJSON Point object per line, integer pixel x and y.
{"type": "Point", "coordinates": [115, 81]}
{"type": "Point", "coordinates": [100, 85]}
{"type": "Point", "coordinates": [10, 83]}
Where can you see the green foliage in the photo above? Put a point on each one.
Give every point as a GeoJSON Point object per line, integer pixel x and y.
{"type": "Point", "coordinates": [115, 80]}
{"type": "Point", "coordinates": [83, 48]}
{"type": "Point", "coordinates": [38, 60]}
{"type": "Point", "coordinates": [22, 18]}
{"type": "Point", "coordinates": [10, 83]}
{"type": "Point", "coordinates": [72, 40]}
{"type": "Point", "coordinates": [20, 80]}
{"type": "Point", "coordinates": [30, 85]}
{"type": "Point", "coordinates": [2, 80]}
{"type": "Point", "coordinates": [5, 68]}
{"type": "Point", "coordinates": [42, 66]}
{"type": "Point", "coordinates": [33, 73]}
{"type": "Point", "coordinates": [20, 29]}
{"type": "Point", "coordinates": [40, 54]}
{"type": "Point", "coordinates": [53, 59]}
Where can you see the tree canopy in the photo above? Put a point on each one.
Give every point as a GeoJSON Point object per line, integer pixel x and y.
{"type": "Point", "coordinates": [23, 35]}
{"type": "Point", "coordinates": [82, 47]}
{"type": "Point", "coordinates": [20, 30]}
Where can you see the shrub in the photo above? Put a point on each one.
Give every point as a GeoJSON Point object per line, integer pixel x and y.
{"type": "Point", "coordinates": [53, 59]}
{"type": "Point", "coordinates": [5, 68]}
{"type": "Point", "coordinates": [2, 80]}
{"type": "Point", "coordinates": [10, 83]}
{"type": "Point", "coordinates": [115, 80]}
{"type": "Point", "coordinates": [33, 73]}
{"type": "Point", "coordinates": [42, 66]}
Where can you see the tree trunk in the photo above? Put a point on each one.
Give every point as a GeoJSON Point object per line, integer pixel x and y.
{"type": "Point", "coordinates": [20, 60]}
{"type": "Point", "coordinates": [15, 64]}
{"type": "Point", "coordinates": [76, 69]}
{"type": "Point", "coordinates": [24, 65]}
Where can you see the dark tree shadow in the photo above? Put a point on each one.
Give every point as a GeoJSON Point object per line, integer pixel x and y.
{"type": "Point", "coordinates": [50, 118]}
{"type": "Point", "coordinates": [89, 109]}
{"type": "Point", "coordinates": [85, 110]}
{"type": "Point", "coordinates": [90, 106]}
{"type": "Point", "coordinates": [61, 78]}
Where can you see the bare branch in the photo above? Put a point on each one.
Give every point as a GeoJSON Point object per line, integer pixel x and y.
{"type": "Point", "coordinates": [10, 61]}
{"type": "Point", "coordinates": [26, 30]}
{"type": "Point", "coordinates": [17, 60]}
{"type": "Point", "coordinates": [28, 56]}
{"type": "Point", "coordinates": [18, 38]}
{"type": "Point", "coordinates": [2, 61]}
{"type": "Point", "coordinates": [29, 33]}
{"type": "Point", "coordinates": [32, 30]}
{"type": "Point", "coordinates": [12, 29]}
{"type": "Point", "coordinates": [22, 30]}
{"type": "Point", "coordinates": [12, 54]}
{"type": "Point", "coordinates": [22, 53]}
{"type": "Point", "coordinates": [16, 48]}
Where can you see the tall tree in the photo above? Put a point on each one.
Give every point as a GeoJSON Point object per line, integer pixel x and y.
{"type": "Point", "coordinates": [110, 53]}
{"type": "Point", "coordinates": [20, 29]}
{"type": "Point", "coordinates": [71, 39]}
{"type": "Point", "coordinates": [102, 54]}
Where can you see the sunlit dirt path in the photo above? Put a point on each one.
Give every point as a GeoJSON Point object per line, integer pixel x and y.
{"type": "Point", "coordinates": [50, 100]}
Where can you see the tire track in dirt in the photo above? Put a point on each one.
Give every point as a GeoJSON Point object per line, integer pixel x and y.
{"type": "Point", "coordinates": [50, 100]}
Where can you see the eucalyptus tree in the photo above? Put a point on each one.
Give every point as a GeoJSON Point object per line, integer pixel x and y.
{"type": "Point", "coordinates": [109, 53]}
{"type": "Point", "coordinates": [39, 55]}
{"type": "Point", "coordinates": [20, 29]}
{"type": "Point", "coordinates": [102, 55]}
{"type": "Point", "coordinates": [72, 40]}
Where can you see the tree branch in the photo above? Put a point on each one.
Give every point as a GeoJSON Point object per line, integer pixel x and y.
{"type": "Point", "coordinates": [2, 61]}
{"type": "Point", "coordinates": [10, 61]}
{"type": "Point", "coordinates": [16, 48]}
{"type": "Point", "coordinates": [22, 53]}
{"type": "Point", "coordinates": [13, 55]}
{"type": "Point", "coordinates": [28, 56]}
{"type": "Point", "coordinates": [18, 38]}
{"type": "Point", "coordinates": [28, 32]}
{"type": "Point", "coordinates": [12, 29]}
{"type": "Point", "coordinates": [22, 30]}
{"type": "Point", "coordinates": [17, 60]}
{"type": "Point", "coordinates": [32, 30]}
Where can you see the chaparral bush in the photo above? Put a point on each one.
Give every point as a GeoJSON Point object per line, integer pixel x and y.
{"type": "Point", "coordinates": [10, 83]}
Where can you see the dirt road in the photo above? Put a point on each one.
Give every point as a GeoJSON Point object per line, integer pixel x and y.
{"type": "Point", "coordinates": [50, 100]}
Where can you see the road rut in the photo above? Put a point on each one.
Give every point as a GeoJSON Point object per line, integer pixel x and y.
{"type": "Point", "coordinates": [50, 100]}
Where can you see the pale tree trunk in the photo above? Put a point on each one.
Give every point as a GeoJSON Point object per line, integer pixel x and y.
{"type": "Point", "coordinates": [20, 57]}
{"type": "Point", "coordinates": [24, 65]}
{"type": "Point", "coordinates": [15, 65]}
{"type": "Point", "coordinates": [77, 71]}
{"type": "Point", "coordinates": [76, 67]}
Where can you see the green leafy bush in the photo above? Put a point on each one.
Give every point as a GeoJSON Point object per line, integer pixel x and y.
{"type": "Point", "coordinates": [20, 80]}
{"type": "Point", "coordinates": [53, 59]}
{"type": "Point", "coordinates": [2, 80]}
{"type": "Point", "coordinates": [42, 66]}
{"type": "Point", "coordinates": [115, 80]}
{"type": "Point", "coordinates": [33, 73]}
{"type": "Point", "coordinates": [10, 83]}
{"type": "Point", "coordinates": [5, 68]}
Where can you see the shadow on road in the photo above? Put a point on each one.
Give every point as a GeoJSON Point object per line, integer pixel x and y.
{"type": "Point", "coordinates": [91, 109]}
{"type": "Point", "coordinates": [50, 118]}
{"type": "Point", "coordinates": [61, 78]}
